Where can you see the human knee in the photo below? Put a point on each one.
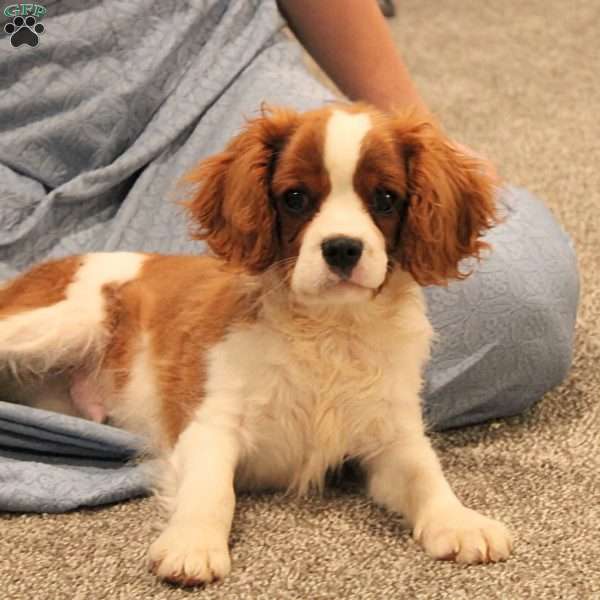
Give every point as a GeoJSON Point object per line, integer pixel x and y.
{"type": "Point", "coordinates": [543, 328]}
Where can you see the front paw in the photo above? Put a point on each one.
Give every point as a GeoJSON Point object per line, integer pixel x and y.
{"type": "Point", "coordinates": [463, 535]}
{"type": "Point", "coordinates": [189, 557]}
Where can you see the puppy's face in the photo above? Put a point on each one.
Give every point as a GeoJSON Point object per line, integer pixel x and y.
{"type": "Point", "coordinates": [339, 194]}
{"type": "Point", "coordinates": [337, 198]}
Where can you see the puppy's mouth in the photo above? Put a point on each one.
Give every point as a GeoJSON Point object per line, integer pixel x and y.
{"type": "Point", "coordinates": [329, 287]}
{"type": "Point", "coordinates": [343, 289]}
{"type": "Point", "coordinates": [344, 284]}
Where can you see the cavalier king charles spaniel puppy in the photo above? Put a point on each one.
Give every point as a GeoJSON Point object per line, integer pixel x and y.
{"type": "Point", "coordinates": [299, 345]}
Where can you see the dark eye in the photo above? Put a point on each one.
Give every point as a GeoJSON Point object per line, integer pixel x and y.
{"type": "Point", "coordinates": [296, 201]}
{"type": "Point", "coordinates": [383, 201]}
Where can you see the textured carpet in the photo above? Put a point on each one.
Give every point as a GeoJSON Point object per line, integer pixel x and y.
{"type": "Point", "coordinates": [517, 81]}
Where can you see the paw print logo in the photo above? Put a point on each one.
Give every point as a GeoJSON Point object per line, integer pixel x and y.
{"type": "Point", "coordinates": [24, 31]}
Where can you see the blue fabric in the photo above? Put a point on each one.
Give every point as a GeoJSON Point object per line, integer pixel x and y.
{"type": "Point", "coordinates": [116, 102]}
{"type": "Point", "coordinates": [53, 463]}
{"type": "Point", "coordinates": [504, 334]}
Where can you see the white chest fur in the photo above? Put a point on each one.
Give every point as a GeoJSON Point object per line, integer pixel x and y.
{"type": "Point", "coordinates": [304, 391]}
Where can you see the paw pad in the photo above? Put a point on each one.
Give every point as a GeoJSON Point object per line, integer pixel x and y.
{"type": "Point", "coordinates": [24, 31]}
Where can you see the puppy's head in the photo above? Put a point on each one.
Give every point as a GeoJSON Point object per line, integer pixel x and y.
{"type": "Point", "coordinates": [339, 197]}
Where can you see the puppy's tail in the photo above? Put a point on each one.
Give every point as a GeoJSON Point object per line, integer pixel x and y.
{"type": "Point", "coordinates": [55, 316]}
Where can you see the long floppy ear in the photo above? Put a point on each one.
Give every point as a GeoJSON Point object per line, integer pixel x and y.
{"type": "Point", "coordinates": [451, 204]}
{"type": "Point", "coordinates": [231, 207]}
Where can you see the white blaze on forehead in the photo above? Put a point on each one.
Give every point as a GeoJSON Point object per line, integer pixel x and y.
{"type": "Point", "coordinates": [341, 214]}
{"type": "Point", "coordinates": [343, 137]}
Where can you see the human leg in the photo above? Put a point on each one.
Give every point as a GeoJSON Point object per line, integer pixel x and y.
{"type": "Point", "coordinates": [505, 334]}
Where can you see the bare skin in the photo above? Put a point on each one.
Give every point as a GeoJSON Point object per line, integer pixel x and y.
{"type": "Point", "coordinates": [351, 42]}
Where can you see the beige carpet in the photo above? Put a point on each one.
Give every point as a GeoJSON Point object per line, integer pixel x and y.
{"type": "Point", "coordinates": [518, 81]}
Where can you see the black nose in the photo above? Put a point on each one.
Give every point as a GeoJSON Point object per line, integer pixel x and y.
{"type": "Point", "coordinates": [342, 254]}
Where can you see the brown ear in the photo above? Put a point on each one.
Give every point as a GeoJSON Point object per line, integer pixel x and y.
{"type": "Point", "coordinates": [231, 207]}
{"type": "Point", "coordinates": [451, 204]}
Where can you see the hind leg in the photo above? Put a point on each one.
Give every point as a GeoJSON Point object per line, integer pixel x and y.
{"type": "Point", "coordinates": [87, 398]}
{"type": "Point", "coordinates": [54, 319]}
{"type": "Point", "coordinates": [74, 394]}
